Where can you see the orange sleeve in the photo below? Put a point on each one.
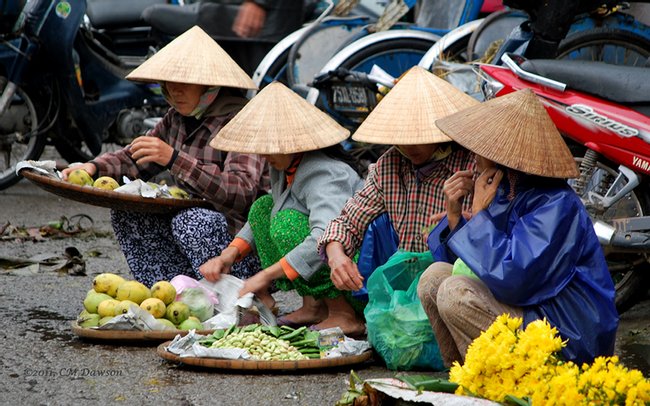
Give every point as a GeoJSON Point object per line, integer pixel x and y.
{"type": "Point", "coordinates": [243, 247]}
{"type": "Point", "coordinates": [288, 269]}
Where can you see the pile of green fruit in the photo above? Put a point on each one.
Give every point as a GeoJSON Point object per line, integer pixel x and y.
{"type": "Point", "coordinates": [268, 343]}
{"type": "Point", "coordinates": [112, 295]}
{"type": "Point", "coordinates": [82, 178]}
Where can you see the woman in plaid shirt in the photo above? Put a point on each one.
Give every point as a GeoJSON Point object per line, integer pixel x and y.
{"type": "Point", "coordinates": [200, 82]}
{"type": "Point", "coordinates": [406, 182]}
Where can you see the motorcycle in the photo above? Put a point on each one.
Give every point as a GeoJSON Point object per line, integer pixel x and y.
{"type": "Point", "coordinates": [119, 26]}
{"type": "Point", "coordinates": [603, 111]}
{"type": "Point", "coordinates": [60, 85]}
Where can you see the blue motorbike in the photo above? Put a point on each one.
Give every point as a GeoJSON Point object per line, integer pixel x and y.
{"type": "Point", "coordinates": [61, 85]}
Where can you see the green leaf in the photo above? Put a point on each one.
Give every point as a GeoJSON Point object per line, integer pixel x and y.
{"type": "Point", "coordinates": [428, 383]}
{"type": "Point", "coordinates": [514, 400]}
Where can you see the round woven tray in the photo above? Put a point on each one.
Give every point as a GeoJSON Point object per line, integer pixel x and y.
{"type": "Point", "coordinates": [110, 199]}
{"type": "Point", "coordinates": [247, 365]}
{"type": "Point", "coordinates": [153, 336]}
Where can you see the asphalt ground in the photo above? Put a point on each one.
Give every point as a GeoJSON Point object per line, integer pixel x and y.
{"type": "Point", "coordinates": [43, 362]}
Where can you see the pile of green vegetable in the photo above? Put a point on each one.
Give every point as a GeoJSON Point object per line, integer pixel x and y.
{"type": "Point", "coordinates": [268, 343]}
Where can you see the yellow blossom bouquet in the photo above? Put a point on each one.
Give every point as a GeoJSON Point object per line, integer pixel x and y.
{"type": "Point", "coordinates": [510, 365]}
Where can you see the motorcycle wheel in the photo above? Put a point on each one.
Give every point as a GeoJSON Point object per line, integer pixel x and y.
{"type": "Point", "coordinates": [72, 148]}
{"type": "Point", "coordinates": [609, 45]}
{"type": "Point", "coordinates": [21, 138]}
{"type": "Point", "coordinates": [395, 56]}
{"type": "Point", "coordinates": [75, 150]}
{"type": "Point", "coordinates": [629, 271]}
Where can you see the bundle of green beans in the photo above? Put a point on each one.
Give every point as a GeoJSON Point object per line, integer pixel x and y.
{"type": "Point", "coordinates": [268, 343]}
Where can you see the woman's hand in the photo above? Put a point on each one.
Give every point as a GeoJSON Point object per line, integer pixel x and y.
{"type": "Point", "coordinates": [250, 20]}
{"type": "Point", "coordinates": [214, 267]}
{"type": "Point", "coordinates": [344, 273]}
{"type": "Point", "coordinates": [146, 149]}
{"type": "Point", "coordinates": [485, 189]}
{"type": "Point", "coordinates": [456, 189]}
{"type": "Point", "coordinates": [259, 282]}
{"type": "Point", "coordinates": [88, 167]}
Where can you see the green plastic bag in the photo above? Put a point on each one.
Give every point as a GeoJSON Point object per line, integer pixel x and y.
{"type": "Point", "coordinates": [461, 268]}
{"type": "Point", "coordinates": [398, 328]}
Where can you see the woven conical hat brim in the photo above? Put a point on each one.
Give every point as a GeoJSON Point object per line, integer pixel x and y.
{"type": "Point", "coordinates": [193, 57]}
{"type": "Point", "coordinates": [407, 115]}
{"type": "Point", "coordinates": [515, 131]}
{"type": "Point", "coordinates": [278, 121]}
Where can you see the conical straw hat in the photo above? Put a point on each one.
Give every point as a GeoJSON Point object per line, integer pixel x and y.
{"type": "Point", "coordinates": [407, 115]}
{"type": "Point", "coordinates": [278, 121]}
{"type": "Point", "coordinates": [515, 131]}
{"type": "Point", "coordinates": [193, 57]}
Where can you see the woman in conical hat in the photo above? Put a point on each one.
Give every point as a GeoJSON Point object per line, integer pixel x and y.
{"type": "Point", "coordinates": [310, 181]}
{"type": "Point", "coordinates": [404, 187]}
{"type": "Point", "coordinates": [529, 248]}
{"type": "Point", "coordinates": [204, 88]}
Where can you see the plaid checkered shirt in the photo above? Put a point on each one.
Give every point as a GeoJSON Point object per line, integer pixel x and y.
{"type": "Point", "coordinates": [230, 181]}
{"type": "Point", "coordinates": [392, 187]}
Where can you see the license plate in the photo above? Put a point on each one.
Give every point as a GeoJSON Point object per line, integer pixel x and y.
{"type": "Point", "coordinates": [352, 98]}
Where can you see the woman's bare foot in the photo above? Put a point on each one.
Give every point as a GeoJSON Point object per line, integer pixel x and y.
{"type": "Point", "coordinates": [351, 326]}
{"type": "Point", "coordinates": [312, 311]}
{"type": "Point", "coordinates": [341, 314]}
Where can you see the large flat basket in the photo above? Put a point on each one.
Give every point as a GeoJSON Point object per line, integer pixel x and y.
{"type": "Point", "coordinates": [120, 336]}
{"type": "Point", "coordinates": [109, 198]}
{"type": "Point", "coordinates": [260, 365]}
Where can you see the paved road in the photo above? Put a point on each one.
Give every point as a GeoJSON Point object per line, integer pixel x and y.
{"type": "Point", "coordinates": [43, 363]}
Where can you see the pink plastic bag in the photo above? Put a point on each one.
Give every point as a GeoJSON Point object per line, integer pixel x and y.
{"type": "Point", "coordinates": [182, 282]}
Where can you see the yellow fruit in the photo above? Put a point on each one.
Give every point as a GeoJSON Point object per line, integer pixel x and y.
{"type": "Point", "coordinates": [154, 306]}
{"type": "Point", "coordinates": [177, 312]}
{"type": "Point", "coordinates": [93, 299]}
{"type": "Point", "coordinates": [133, 291]}
{"type": "Point", "coordinates": [153, 185]}
{"type": "Point", "coordinates": [107, 283]}
{"type": "Point", "coordinates": [167, 323]}
{"type": "Point", "coordinates": [107, 308]}
{"type": "Point", "coordinates": [86, 319]}
{"type": "Point", "coordinates": [106, 183]}
{"type": "Point", "coordinates": [178, 193]}
{"type": "Point", "coordinates": [123, 307]}
{"type": "Point", "coordinates": [164, 291]}
{"type": "Point", "coordinates": [104, 320]}
{"type": "Point", "coordinates": [80, 177]}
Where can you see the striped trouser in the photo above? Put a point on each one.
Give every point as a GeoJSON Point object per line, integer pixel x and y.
{"type": "Point", "coordinates": [161, 246]}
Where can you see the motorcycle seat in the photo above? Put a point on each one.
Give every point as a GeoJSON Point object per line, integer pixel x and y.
{"type": "Point", "coordinates": [118, 13]}
{"type": "Point", "coordinates": [621, 84]}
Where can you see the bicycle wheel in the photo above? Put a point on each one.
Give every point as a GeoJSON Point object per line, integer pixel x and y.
{"type": "Point", "coordinates": [495, 27]}
{"type": "Point", "coordinates": [395, 56]}
{"type": "Point", "coordinates": [605, 44]}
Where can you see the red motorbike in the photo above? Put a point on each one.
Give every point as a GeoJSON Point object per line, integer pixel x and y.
{"type": "Point", "coordinates": [603, 111]}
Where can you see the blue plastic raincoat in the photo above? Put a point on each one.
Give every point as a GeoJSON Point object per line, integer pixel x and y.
{"type": "Point", "coordinates": [539, 252]}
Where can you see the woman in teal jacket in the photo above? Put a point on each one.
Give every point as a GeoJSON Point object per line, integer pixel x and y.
{"type": "Point", "coordinates": [529, 241]}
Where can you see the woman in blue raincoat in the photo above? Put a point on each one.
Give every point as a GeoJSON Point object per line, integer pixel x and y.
{"type": "Point", "coordinates": [528, 249]}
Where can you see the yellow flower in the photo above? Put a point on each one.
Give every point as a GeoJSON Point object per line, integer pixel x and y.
{"type": "Point", "coordinates": [527, 363]}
